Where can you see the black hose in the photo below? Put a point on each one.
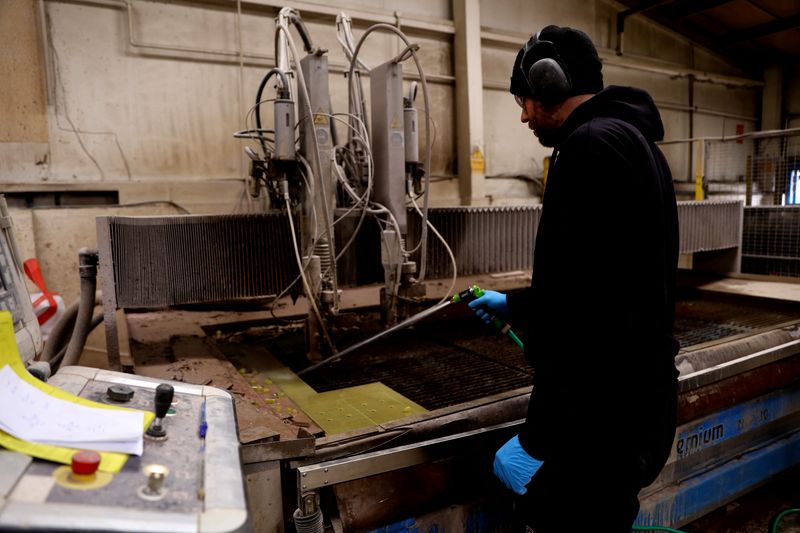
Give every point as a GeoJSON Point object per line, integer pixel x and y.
{"type": "Point", "coordinates": [334, 134]}
{"type": "Point", "coordinates": [260, 91]}
{"type": "Point", "coordinates": [59, 336]}
{"type": "Point", "coordinates": [88, 272]}
{"type": "Point", "coordinates": [55, 363]}
{"type": "Point", "coordinates": [295, 19]}
{"type": "Point", "coordinates": [62, 331]}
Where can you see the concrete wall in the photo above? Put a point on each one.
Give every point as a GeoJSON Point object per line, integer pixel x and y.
{"type": "Point", "coordinates": [143, 97]}
{"type": "Point", "coordinates": [24, 138]}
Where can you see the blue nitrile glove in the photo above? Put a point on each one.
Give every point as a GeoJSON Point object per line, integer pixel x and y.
{"type": "Point", "coordinates": [494, 301]}
{"type": "Point", "coordinates": [514, 467]}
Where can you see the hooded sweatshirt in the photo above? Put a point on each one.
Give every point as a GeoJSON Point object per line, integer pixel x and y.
{"type": "Point", "coordinates": [597, 319]}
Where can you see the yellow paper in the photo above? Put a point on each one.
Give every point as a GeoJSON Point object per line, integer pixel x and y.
{"type": "Point", "coordinates": [9, 355]}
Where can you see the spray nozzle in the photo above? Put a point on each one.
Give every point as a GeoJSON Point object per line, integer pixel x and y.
{"type": "Point", "coordinates": [473, 292]}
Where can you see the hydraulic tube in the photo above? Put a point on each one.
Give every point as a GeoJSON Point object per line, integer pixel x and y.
{"type": "Point", "coordinates": [473, 293]}
{"type": "Point", "coordinates": [59, 336]}
{"type": "Point", "coordinates": [88, 259]}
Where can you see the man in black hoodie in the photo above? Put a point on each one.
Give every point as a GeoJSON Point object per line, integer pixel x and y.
{"type": "Point", "coordinates": [597, 319]}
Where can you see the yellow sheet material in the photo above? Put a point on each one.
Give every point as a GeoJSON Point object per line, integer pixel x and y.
{"type": "Point", "coordinates": [9, 355]}
{"type": "Point", "coordinates": [342, 410]}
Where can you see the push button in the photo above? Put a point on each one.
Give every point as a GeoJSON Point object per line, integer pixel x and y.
{"type": "Point", "coordinates": [85, 463]}
{"type": "Point", "coordinates": [120, 393]}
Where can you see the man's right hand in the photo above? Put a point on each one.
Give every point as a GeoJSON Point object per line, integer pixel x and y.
{"type": "Point", "coordinates": [491, 303]}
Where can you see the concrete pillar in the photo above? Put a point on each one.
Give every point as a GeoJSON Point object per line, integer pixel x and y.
{"type": "Point", "coordinates": [23, 106]}
{"type": "Point", "coordinates": [772, 98]}
{"type": "Point", "coordinates": [470, 147]}
{"type": "Point", "coordinates": [24, 137]}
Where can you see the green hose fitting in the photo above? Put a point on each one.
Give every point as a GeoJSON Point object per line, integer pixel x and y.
{"type": "Point", "coordinates": [473, 292]}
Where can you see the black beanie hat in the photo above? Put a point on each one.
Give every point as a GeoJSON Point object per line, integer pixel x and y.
{"type": "Point", "coordinates": [577, 56]}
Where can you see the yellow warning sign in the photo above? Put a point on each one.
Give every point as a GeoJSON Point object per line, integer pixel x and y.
{"type": "Point", "coordinates": [476, 161]}
{"type": "Point", "coordinates": [320, 119]}
{"type": "Point", "coordinates": [395, 123]}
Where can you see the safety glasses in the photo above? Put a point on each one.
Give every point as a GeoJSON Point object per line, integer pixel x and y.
{"type": "Point", "coordinates": [519, 100]}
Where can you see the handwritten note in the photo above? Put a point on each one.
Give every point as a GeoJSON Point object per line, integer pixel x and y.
{"type": "Point", "coordinates": [32, 415]}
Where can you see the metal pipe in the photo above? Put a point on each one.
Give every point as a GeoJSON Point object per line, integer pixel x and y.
{"type": "Point", "coordinates": [705, 111]}
{"type": "Point", "coordinates": [748, 135]}
{"type": "Point", "coordinates": [437, 27]}
{"type": "Point", "coordinates": [473, 415]}
{"type": "Point", "coordinates": [691, 120]}
{"type": "Point", "coordinates": [332, 472]}
{"type": "Point", "coordinates": [406, 323]}
{"type": "Point", "coordinates": [721, 353]}
{"type": "Point", "coordinates": [433, 26]}
{"type": "Point", "coordinates": [737, 366]}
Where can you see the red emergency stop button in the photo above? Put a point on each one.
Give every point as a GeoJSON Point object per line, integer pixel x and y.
{"type": "Point", "coordinates": [85, 463]}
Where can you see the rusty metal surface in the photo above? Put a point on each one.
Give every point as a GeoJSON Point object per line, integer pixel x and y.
{"type": "Point", "coordinates": [470, 416]}
{"type": "Point", "coordinates": [365, 504]}
{"type": "Point", "coordinates": [196, 360]}
{"type": "Point", "coordinates": [302, 446]}
{"type": "Point", "coordinates": [190, 259]}
{"type": "Point", "coordinates": [456, 359]}
{"type": "Point", "coordinates": [703, 317]}
{"type": "Point", "coordinates": [703, 358]}
{"type": "Point", "coordinates": [453, 364]}
{"type": "Point", "coordinates": [436, 364]}
{"type": "Point", "coordinates": [737, 389]}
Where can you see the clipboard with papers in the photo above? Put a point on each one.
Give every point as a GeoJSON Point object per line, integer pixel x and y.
{"type": "Point", "coordinates": [43, 421]}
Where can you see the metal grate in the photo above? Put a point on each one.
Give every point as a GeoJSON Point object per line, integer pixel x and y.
{"type": "Point", "coordinates": [427, 367]}
{"type": "Point", "coordinates": [711, 225]}
{"type": "Point", "coordinates": [452, 361]}
{"type": "Point", "coordinates": [176, 260]}
{"type": "Point", "coordinates": [447, 363]}
{"type": "Point", "coordinates": [501, 239]}
{"type": "Point", "coordinates": [483, 239]}
{"type": "Point", "coordinates": [711, 318]}
{"type": "Point", "coordinates": [771, 241]}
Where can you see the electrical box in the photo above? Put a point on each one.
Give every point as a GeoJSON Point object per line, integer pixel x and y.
{"type": "Point", "coordinates": [201, 486]}
{"type": "Point", "coordinates": [13, 292]}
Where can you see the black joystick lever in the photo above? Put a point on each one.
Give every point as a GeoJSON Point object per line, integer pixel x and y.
{"type": "Point", "coordinates": [164, 394]}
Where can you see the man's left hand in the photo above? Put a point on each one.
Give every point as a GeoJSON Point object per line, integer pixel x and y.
{"type": "Point", "coordinates": [514, 467]}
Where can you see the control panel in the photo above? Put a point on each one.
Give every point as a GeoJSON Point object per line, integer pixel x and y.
{"type": "Point", "coordinates": [188, 478]}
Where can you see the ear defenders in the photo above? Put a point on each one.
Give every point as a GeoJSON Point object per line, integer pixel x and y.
{"type": "Point", "coordinates": [545, 72]}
